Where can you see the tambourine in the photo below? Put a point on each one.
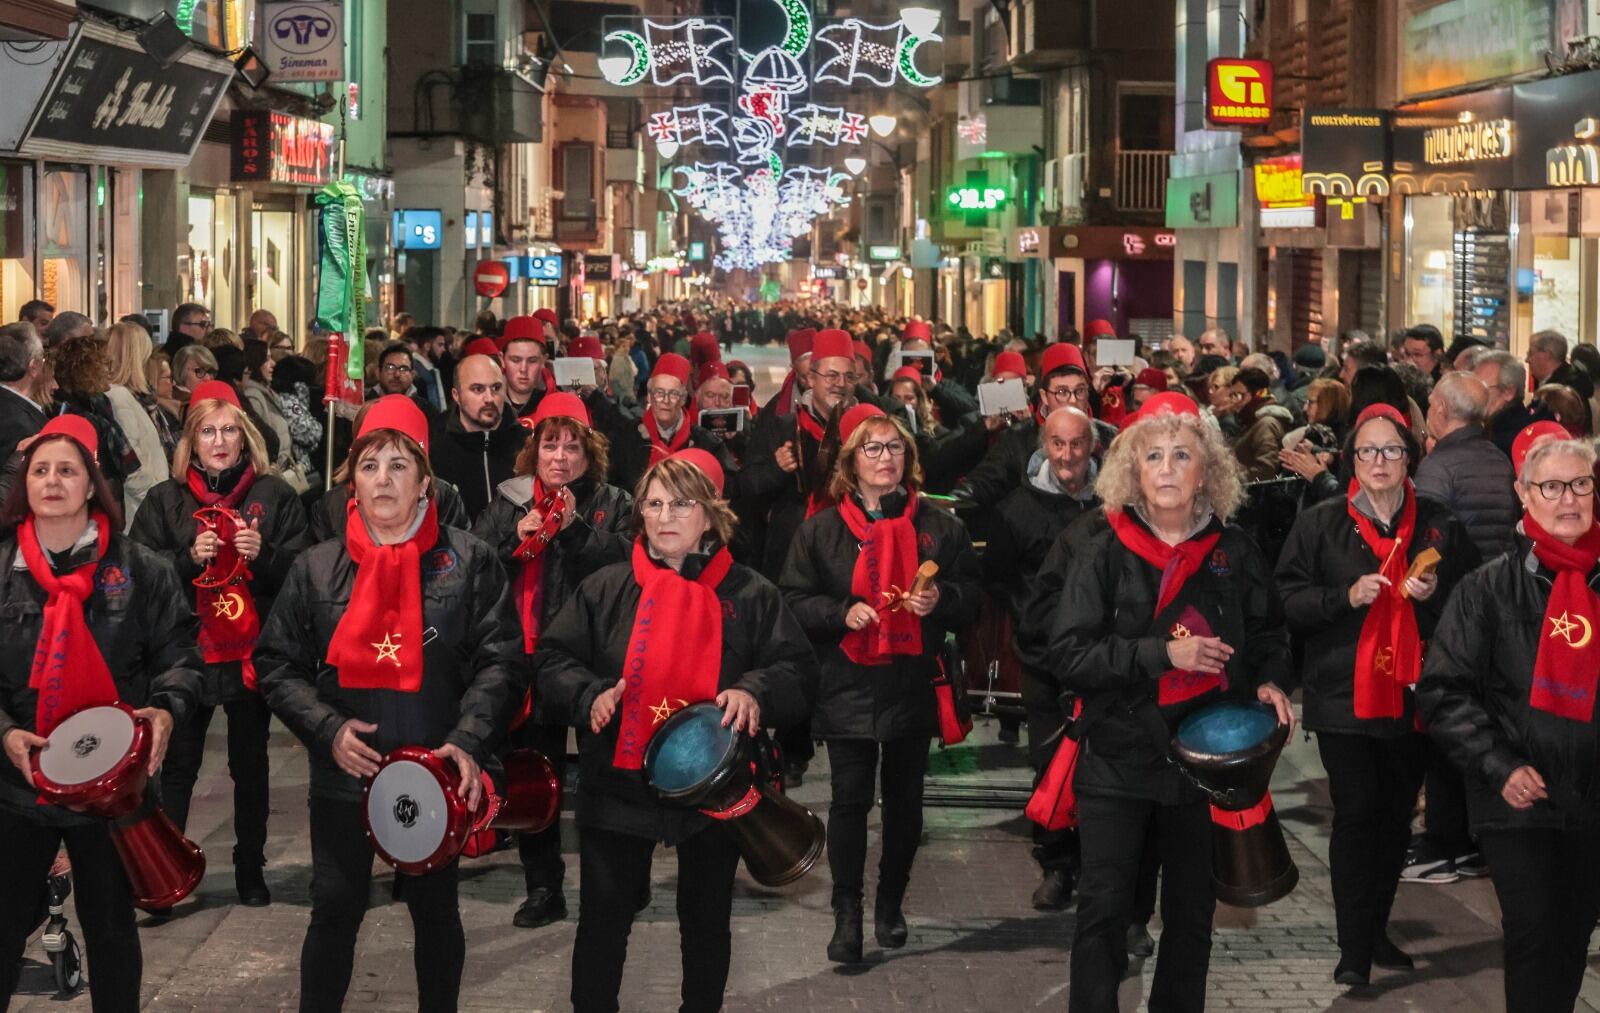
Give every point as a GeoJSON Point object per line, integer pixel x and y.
{"type": "Point", "coordinates": [227, 566]}
{"type": "Point", "coordinates": [553, 510]}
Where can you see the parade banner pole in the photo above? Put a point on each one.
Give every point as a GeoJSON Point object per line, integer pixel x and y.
{"type": "Point", "coordinates": [341, 297]}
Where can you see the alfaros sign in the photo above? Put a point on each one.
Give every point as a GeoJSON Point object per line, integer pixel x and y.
{"type": "Point", "coordinates": [274, 147]}
{"type": "Point", "coordinates": [1238, 92]}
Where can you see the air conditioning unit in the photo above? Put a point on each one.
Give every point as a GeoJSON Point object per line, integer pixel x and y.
{"type": "Point", "coordinates": [1073, 168]}
{"type": "Point", "coordinates": [1048, 199]}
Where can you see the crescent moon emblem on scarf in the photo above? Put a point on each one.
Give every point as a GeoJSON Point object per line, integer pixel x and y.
{"type": "Point", "coordinates": [1588, 632]}
{"type": "Point", "coordinates": [231, 605]}
{"type": "Point", "coordinates": [640, 51]}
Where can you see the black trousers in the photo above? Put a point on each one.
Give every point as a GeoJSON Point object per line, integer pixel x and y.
{"type": "Point", "coordinates": [102, 897]}
{"type": "Point", "coordinates": [1374, 787]}
{"type": "Point", "coordinates": [795, 741]}
{"type": "Point", "coordinates": [1052, 849]}
{"type": "Point", "coordinates": [855, 765]}
{"type": "Point", "coordinates": [615, 871]}
{"type": "Point", "coordinates": [1112, 834]}
{"type": "Point", "coordinates": [1444, 821]}
{"type": "Point", "coordinates": [341, 874]}
{"type": "Point", "coordinates": [248, 721]}
{"type": "Point", "coordinates": [542, 864]}
{"type": "Point", "coordinates": [1548, 883]}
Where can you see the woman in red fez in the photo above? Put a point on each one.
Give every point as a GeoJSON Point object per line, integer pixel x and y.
{"type": "Point", "coordinates": [398, 634]}
{"type": "Point", "coordinates": [226, 520]}
{"type": "Point", "coordinates": [68, 575]}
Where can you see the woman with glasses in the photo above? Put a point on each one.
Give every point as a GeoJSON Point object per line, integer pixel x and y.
{"type": "Point", "coordinates": [849, 578]}
{"type": "Point", "coordinates": [665, 428]}
{"type": "Point", "coordinates": [1349, 594]}
{"type": "Point", "coordinates": [1508, 691]}
{"type": "Point", "coordinates": [192, 365]}
{"type": "Point", "coordinates": [726, 637]}
{"type": "Point", "coordinates": [221, 466]}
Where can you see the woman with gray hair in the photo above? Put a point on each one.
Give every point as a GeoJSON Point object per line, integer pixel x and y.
{"type": "Point", "coordinates": [1508, 691]}
{"type": "Point", "coordinates": [1166, 610]}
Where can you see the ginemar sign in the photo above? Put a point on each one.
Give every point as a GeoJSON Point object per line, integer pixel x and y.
{"type": "Point", "coordinates": [303, 40]}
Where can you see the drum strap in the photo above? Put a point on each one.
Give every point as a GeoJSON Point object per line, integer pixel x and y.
{"type": "Point", "coordinates": [1243, 819]}
{"type": "Point", "coordinates": [1160, 735]}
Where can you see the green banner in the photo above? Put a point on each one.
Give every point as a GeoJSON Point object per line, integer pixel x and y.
{"type": "Point", "coordinates": [341, 292]}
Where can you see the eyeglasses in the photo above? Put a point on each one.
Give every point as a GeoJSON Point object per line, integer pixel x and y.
{"type": "Point", "coordinates": [1552, 489]}
{"type": "Point", "coordinates": [833, 377]}
{"type": "Point", "coordinates": [665, 396]}
{"type": "Point", "coordinates": [202, 372]}
{"type": "Point", "coordinates": [396, 367]}
{"type": "Point", "coordinates": [195, 323]}
{"type": "Point", "coordinates": [1078, 393]}
{"type": "Point", "coordinates": [283, 346]}
{"type": "Point", "coordinates": [875, 448]}
{"type": "Point", "coordinates": [1391, 452]}
{"type": "Point", "coordinates": [676, 509]}
{"type": "Point", "coordinates": [209, 433]}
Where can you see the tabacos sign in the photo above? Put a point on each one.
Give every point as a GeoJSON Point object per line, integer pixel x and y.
{"type": "Point", "coordinates": [1238, 92]}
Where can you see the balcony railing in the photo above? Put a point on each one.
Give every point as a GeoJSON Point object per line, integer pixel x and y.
{"type": "Point", "coordinates": [1142, 180]}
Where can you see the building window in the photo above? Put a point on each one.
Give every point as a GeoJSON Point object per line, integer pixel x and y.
{"type": "Point", "coordinates": [479, 45]}
{"type": "Point", "coordinates": [16, 237]}
{"type": "Point", "coordinates": [577, 182]}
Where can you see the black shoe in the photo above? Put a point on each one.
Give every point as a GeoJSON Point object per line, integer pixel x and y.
{"type": "Point", "coordinates": [1386, 954]}
{"type": "Point", "coordinates": [794, 774]}
{"type": "Point", "coordinates": [1350, 976]}
{"type": "Point", "coordinates": [1423, 865]}
{"type": "Point", "coordinates": [1471, 865]}
{"type": "Point", "coordinates": [543, 907]}
{"type": "Point", "coordinates": [1054, 891]}
{"type": "Point", "coordinates": [889, 925]}
{"type": "Point", "coordinates": [1140, 943]}
{"type": "Point", "coordinates": [159, 915]}
{"type": "Point", "coordinates": [252, 886]}
{"type": "Point", "coordinates": [845, 946]}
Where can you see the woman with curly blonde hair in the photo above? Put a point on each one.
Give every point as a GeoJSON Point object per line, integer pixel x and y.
{"type": "Point", "coordinates": [1166, 609]}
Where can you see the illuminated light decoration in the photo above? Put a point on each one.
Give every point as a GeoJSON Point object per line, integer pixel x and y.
{"type": "Point", "coordinates": [768, 105]}
{"type": "Point", "coordinates": [883, 124]}
{"type": "Point", "coordinates": [1238, 92]}
{"type": "Point", "coordinates": [974, 130]}
{"type": "Point", "coordinates": [855, 165]}
{"type": "Point", "coordinates": [906, 59]}
{"type": "Point", "coordinates": [687, 51]}
{"type": "Point", "coordinates": [680, 125]}
{"type": "Point", "coordinates": [862, 51]}
{"type": "Point", "coordinates": [829, 125]}
{"type": "Point", "coordinates": [753, 140]}
{"type": "Point", "coordinates": [923, 21]}
{"type": "Point", "coordinates": [1576, 164]}
{"type": "Point", "coordinates": [630, 69]}
{"type": "Point", "coordinates": [976, 198]}
{"type": "Point", "coordinates": [775, 70]}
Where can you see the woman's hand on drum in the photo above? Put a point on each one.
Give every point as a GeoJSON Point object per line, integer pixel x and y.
{"type": "Point", "coordinates": [1523, 788]}
{"type": "Point", "coordinates": [1366, 589]}
{"type": "Point", "coordinates": [605, 705]}
{"type": "Point", "coordinates": [353, 756]}
{"type": "Point", "coordinates": [860, 616]}
{"type": "Point", "coordinates": [20, 744]}
{"type": "Point", "coordinates": [204, 549]}
{"type": "Point", "coordinates": [920, 605]}
{"type": "Point", "coordinates": [160, 734]}
{"type": "Point", "coordinates": [530, 523]}
{"type": "Point", "coordinates": [1198, 654]}
{"type": "Point", "coordinates": [471, 787]}
{"type": "Point", "coordinates": [1269, 693]}
{"type": "Point", "coordinates": [248, 540]}
{"type": "Point", "coordinates": [740, 711]}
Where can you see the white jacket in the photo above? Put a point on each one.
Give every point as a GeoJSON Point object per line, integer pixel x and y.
{"type": "Point", "coordinates": [146, 442]}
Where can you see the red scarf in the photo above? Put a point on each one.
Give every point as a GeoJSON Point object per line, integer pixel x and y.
{"type": "Point", "coordinates": [1177, 564]}
{"type": "Point", "coordinates": [378, 642]}
{"type": "Point", "coordinates": [229, 624]}
{"type": "Point", "coordinates": [69, 672]}
{"type": "Point", "coordinates": [529, 586]}
{"type": "Point", "coordinates": [885, 566]}
{"type": "Point", "coordinates": [683, 665]}
{"type": "Point", "coordinates": [1568, 664]}
{"type": "Point", "coordinates": [1389, 652]}
{"type": "Point", "coordinates": [660, 451]}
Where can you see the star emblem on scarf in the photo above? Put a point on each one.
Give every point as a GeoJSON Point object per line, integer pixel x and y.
{"type": "Point", "coordinates": [388, 649]}
{"type": "Point", "coordinates": [1179, 631]}
{"type": "Point", "coordinates": [664, 710]}
{"type": "Point", "coordinates": [1383, 661]}
{"type": "Point", "coordinates": [1567, 626]}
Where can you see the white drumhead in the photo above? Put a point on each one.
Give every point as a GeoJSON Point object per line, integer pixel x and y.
{"type": "Point", "coordinates": [87, 745]}
{"type": "Point", "coordinates": [406, 811]}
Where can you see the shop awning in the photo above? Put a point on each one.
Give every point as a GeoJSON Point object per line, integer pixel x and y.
{"type": "Point", "coordinates": [39, 19]}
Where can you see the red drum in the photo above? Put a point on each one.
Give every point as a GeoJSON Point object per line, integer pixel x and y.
{"type": "Point", "coordinates": [96, 762]}
{"type": "Point", "coordinates": [994, 675]}
{"type": "Point", "coordinates": [417, 821]}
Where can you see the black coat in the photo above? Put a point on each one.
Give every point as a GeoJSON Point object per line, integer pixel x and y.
{"type": "Point", "coordinates": [1105, 651]}
{"type": "Point", "coordinates": [1324, 555]}
{"type": "Point", "coordinates": [879, 702]}
{"type": "Point", "coordinates": [165, 524]}
{"type": "Point", "coordinates": [475, 463]}
{"type": "Point", "coordinates": [630, 453]}
{"type": "Point", "coordinates": [141, 618]}
{"type": "Point", "coordinates": [331, 509]}
{"type": "Point", "coordinates": [581, 654]}
{"type": "Point", "coordinates": [1035, 603]}
{"type": "Point", "coordinates": [1474, 699]}
{"type": "Point", "coordinates": [473, 676]}
{"type": "Point", "coordinates": [19, 419]}
{"type": "Point", "coordinates": [1468, 473]}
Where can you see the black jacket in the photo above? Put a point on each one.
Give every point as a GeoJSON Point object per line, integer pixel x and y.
{"type": "Point", "coordinates": [165, 524]}
{"type": "Point", "coordinates": [1036, 601]}
{"type": "Point", "coordinates": [141, 618]}
{"type": "Point", "coordinates": [1474, 699]}
{"type": "Point", "coordinates": [880, 702]}
{"type": "Point", "coordinates": [581, 654]}
{"type": "Point", "coordinates": [1324, 555]}
{"type": "Point", "coordinates": [475, 463]}
{"type": "Point", "coordinates": [19, 419]}
{"type": "Point", "coordinates": [1105, 652]}
{"type": "Point", "coordinates": [1470, 475]}
{"type": "Point", "coordinates": [630, 453]}
{"type": "Point", "coordinates": [328, 515]}
{"type": "Point", "coordinates": [473, 670]}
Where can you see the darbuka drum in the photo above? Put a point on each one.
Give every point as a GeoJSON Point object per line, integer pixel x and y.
{"type": "Point", "coordinates": [1231, 748]}
{"type": "Point", "coordinates": [693, 762]}
{"type": "Point", "coordinates": [994, 675]}
{"type": "Point", "coordinates": [97, 762]}
{"type": "Point", "coordinates": [417, 820]}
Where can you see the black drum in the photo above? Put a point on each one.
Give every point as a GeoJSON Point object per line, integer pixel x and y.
{"type": "Point", "coordinates": [1230, 748]}
{"type": "Point", "coordinates": [693, 762]}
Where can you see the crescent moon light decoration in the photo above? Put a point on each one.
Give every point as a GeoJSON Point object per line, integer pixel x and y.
{"type": "Point", "coordinates": [905, 58]}
{"type": "Point", "coordinates": [639, 62]}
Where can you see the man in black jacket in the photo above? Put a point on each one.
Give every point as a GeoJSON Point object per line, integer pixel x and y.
{"type": "Point", "coordinates": [475, 444]}
{"type": "Point", "coordinates": [21, 359]}
{"type": "Point", "coordinates": [1507, 381]}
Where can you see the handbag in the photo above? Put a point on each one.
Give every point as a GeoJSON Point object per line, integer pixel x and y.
{"type": "Point", "coordinates": [954, 725]}
{"type": "Point", "coordinates": [1054, 802]}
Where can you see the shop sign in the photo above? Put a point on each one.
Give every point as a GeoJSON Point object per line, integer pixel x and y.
{"type": "Point", "coordinates": [544, 272]}
{"type": "Point", "coordinates": [274, 147]}
{"type": "Point", "coordinates": [109, 101]}
{"type": "Point", "coordinates": [1345, 152]}
{"type": "Point", "coordinates": [883, 253]}
{"type": "Point", "coordinates": [1114, 242]}
{"type": "Point", "coordinates": [490, 278]}
{"type": "Point", "coordinates": [1238, 92]}
{"type": "Point", "coordinates": [824, 272]}
{"type": "Point", "coordinates": [418, 230]}
{"type": "Point", "coordinates": [1459, 42]}
{"type": "Point", "coordinates": [1467, 142]}
{"type": "Point", "coordinates": [302, 40]}
{"type": "Point", "coordinates": [599, 267]}
{"type": "Point", "coordinates": [1203, 202]}
{"type": "Point", "coordinates": [1278, 183]}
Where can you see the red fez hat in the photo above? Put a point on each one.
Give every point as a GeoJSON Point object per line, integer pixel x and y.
{"type": "Point", "coordinates": [521, 329]}
{"type": "Point", "coordinates": [674, 365]}
{"type": "Point", "coordinates": [800, 343]}
{"type": "Point", "coordinates": [832, 344]}
{"type": "Point", "coordinates": [76, 428]}
{"type": "Point", "coordinates": [482, 346]}
{"type": "Point", "coordinates": [561, 405]}
{"type": "Point", "coordinates": [400, 413]}
{"type": "Point", "coordinates": [703, 345]}
{"type": "Point", "coordinates": [855, 416]}
{"type": "Point", "coordinates": [587, 346]}
{"type": "Point", "coordinates": [861, 350]}
{"type": "Point", "coordinates": [1099, 329]}
{"type": "Point", "coordinates": [1152, 377]}
{"type": "Point", "coordinates": [907, 373]}
{"type": "Point", "coordinates": [1381, 411]}
{"type": "Point", "coordinates": [1167, 403]}
{"type": "Point", "coordinates": [214, 390]}
{"type": "Point", "coordinates": [1062, 356]}
{"type": "Point", "coordinates": [1530, 435]}
{"type": "Point", "coordinates": [1010, 362]}
{"type": "Point", "coordinates": [546, 315]}
{"type": "Point", "coordinates": [704, 461]}
{"type": "Point", "coordinates": [916, 330]}
{"type": "Point", "coordinates": [713, 370]}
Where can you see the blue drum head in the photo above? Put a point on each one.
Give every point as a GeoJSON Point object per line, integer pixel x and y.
{"type": "Point", "coordinates": [688, 750]}
{"type": "Point", "coordinates": [1227, 728]}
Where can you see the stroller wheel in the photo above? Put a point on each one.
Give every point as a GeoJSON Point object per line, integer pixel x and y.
{"type": "Point", "coordinates": [67, 965]}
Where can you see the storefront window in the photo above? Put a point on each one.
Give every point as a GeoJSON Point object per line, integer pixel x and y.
{"type": "Point", "coordinates": [64, 230]}
{"type": "Point", "coordinates": [274, 265]}
{"type": "Point", "coordinates": [16, 237]}
{"type": "Point", "coordinates": [1558, 275]}
{"type": "Point", "coordinates": [1430, 237]}
{"type": "Point", "coordinates": [197, 261]}
{"type": "Point", "coordinates": [117, 213]}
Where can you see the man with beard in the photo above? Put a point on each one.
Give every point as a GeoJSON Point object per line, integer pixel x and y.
{"type": "Point", "coordinates": [474, 446]}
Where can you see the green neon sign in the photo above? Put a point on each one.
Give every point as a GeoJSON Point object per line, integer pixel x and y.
{"type": "Point", "coordinates": [976, 198]}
